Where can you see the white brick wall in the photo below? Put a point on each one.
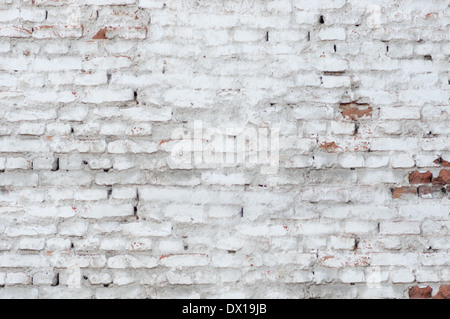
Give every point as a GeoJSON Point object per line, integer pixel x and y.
{"type": "Point", "coordinates": [97, 192]}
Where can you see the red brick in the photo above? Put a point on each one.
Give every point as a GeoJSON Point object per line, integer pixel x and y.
{"type": "Point", "coordinates": [443, 178]}
{"type": "Point", "coordinates": [420, 293]}
{"type": "Point", "coordinates": [433, 191]}
{"type": "Point", "coordinates": [420, 178]}
{"type": "Point", "coordinates": [355, 111]}
{"type": "Point", "coordinates": [399, 192]}
{"type": "Point", "coordinates": [443, 293]}
{"type": "Point", "coordinates": [441, 161]}
{"type": "Point", "coordinates": [101, 35]}
{"type": "Point", "coordinates": [329, 146]}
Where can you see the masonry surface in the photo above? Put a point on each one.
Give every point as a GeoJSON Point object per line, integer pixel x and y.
{"type": "Point", "coordinates": [92, 90]}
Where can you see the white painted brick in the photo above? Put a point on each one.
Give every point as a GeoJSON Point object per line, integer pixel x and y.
{"type": "Point", "coordinates": [17, 163]}
{"type": "Point", "coordinates": [333, 34]}
{"type": "Point", "coordinates": [90, 194]}
{"type": "Point", "coordinates": [124, 192]}
{"type": "Point", "coordinates": [131, 262]}
{"type": "Point", "coordinates": [402, 161]}
{"type": "Point", "coordinates": [427, 275]}
{"type": "Point", "coordinates": [394, 259]}
{"type": "Point", "coordinates": [129, 146]}
{"type": "Point", "coordinates": [332, 65]}
{"type": "Point", "coordinates": [18, 278]}
{"type": "Point", "coordinates": [18, 179]}
{"type": "Point", "coordinates": [57, 64]}
{"type": "Point", "coordinates": [400, 112]}
{"type": "Point", "coordinates": [346, 243]}
{"type": "Point", "coordinates": [342, 128]}
{"type": "Point", "coordinates": [18, 261]}
{"type": "Point", "coordinates": [336, 81]}
{"type": "Point", "coordinates": [31, 243]}
{"type": "Point", "coordinates": [147, 229]}
{"type": "Point", "coordinates": [97, 279]}
{"type": "Point", "coordinates": [19, 293]}
{"type": "Point", "coordinates": [397, 228]}
{"type": "Point", "coordinates": [359, 227]}
{"type": "Point", "coordinates": [100, 163]}
{"type": "Point", "coordinates": [305, 17]}
{"type": "Point", "coordinates": [352, 276]}
{"type": "Point", "coordinates": [106, 210]}
{"type": "Point", "coordinates": [31, 128]}
{"type": "Point", "coordinates": [58, 244]}
{"type": "Point", "coordinates": [352, 161]}
{"type": "Point", "coordinates": [100, 96]}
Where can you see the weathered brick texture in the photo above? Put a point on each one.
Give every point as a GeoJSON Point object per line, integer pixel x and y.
{"type": "Point", "coordinates": [97, 97]}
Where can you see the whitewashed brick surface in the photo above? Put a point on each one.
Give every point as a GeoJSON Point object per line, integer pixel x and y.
{"type": "Point", "coordinates": [95, 96]}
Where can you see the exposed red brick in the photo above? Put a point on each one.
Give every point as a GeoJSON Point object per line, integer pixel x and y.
{"type": "Point", "coordinates": [101, 34]}
{"type": "Point", "coordinates": [443, 178]}
{"type": "Point", "coordinates": [441, 161]}
{"type": "Point", "coordinates": [355, 111]}
{"type": "Point", "coordinates": [443, 293]}
{"type": "Point", "coordinates": [399, 192]}
{"type": "Point", "coordinates": [434, 190]}
{"type": "Point", "coordinates": [420, 178]}
{"type": "Point", "coordinates": [420, 293]}
{"type": "Point", "coordinates": [329, 146]}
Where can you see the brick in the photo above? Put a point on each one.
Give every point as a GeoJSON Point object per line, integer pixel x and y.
{"type": "Point", "coordinates": [400, 113]}
{"type": "Point", "coordinates": [431, 191]}
{"type": "Point", "coordinates": [129, 146]}
{"type": "Point", "coordinates": [18, 179]}
{"type": "Point", "coordinates": [417, 177]}
{"type": "Point", "coordinates": [443, 178]}
{"type": "Point", "coordinates": [17, 163]}
{"type": "Point", "coordinates": [402, 161]}
{"type": "Point", "coordinates": [18, 279]}
{"type": "Point", "coordinates": [19, 293]}
{"type": "Point", "coordinates": [147, 114]}
{"type": "Point", "coordinates": [31, 243]}
{"type": "Point", "coordinates": [355, 111]}
{"type": "Point", "coordinates": [103, 211]}
{"type": "Point", "coordinates": [100, 96]}
{"type": "Point", "coordinates": [56, 64]}
{"type": "Point", "coordinates": [15, 31]}
{"type": "Point", "coordinates": [80, 262]}
{"type": "Point", "coordinates": [24, 145]}
{"type": "Point", "coordinates": [148, 229]}
{"type": "Point", "coordinates": [352, 276]}
{"type": "Point", "coordinates": [102, 278]}
{"type": "Point", "coordinates": [58, 31]}
{"type": "Point", "coordinates": [332, 34]}
{"type": "Point", "coordinates": [394, 259]}
{"type": "Point", "coordinates": [443, 292]}
{"type": "Point", "coordinates": [330, 82]}
{"type": "Point", "coordinates": [401, 192]}
{"type": "Point", "coordinates": [402, 276]}
{"type": "Point", "coordinates": [31, 129]}
{"type": "Point", "coordinates": [68, 178]}
{"type": "Point", "coordinates": [420, 293]}
{"type": "Point", "coordinates": [124, 178]}
{"type": "Point", "coordinates": [400, 144]}
{"type": "Point", "coordinates": [397, 228]}
{"type": "Point", "coordinates": [21, 261]}
{"type": "Point", "coordinates": [65, 293]}
{"type": "Point", "coordinates": [128, 261]}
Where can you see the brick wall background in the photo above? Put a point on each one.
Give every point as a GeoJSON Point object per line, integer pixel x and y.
{"type": "Point", "coordinates": [91, 92]}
